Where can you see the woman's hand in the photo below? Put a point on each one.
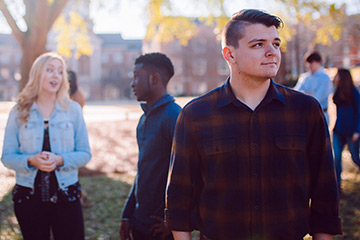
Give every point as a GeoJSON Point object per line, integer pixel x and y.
{"type": "Point", "coordinates": [45, 161]}
{"type": "Point", "coordinates": [355, 136]}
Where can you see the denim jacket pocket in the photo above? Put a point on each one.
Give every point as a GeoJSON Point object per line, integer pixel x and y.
{"type": "Point", "coordinates": [65, 134]}
{"type": "Point", "coordinates": [28, 137]}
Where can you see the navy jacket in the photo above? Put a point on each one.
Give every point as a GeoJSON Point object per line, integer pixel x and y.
{"type": "Point", "coordinates": [154, 135]}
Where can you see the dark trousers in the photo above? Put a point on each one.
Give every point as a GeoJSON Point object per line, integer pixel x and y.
{"type": "Point", "coordinates": [36, 218]}
{"type": "Point", "coordinates": [139, 235]}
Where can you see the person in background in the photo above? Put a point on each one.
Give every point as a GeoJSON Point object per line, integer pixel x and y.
{"type": "Point", "coordinates": [143, 213]}
{"type": "Point", "coordinates": [347, 125]}
{"type": "Point", "coordinates": [74, 91]}
{"type": "Point", "coordinates": [45, 143]}
{"type": "Point", "coordinates": [252, 159]}
{"type": "Point", "coordinates": [77, 96]}
{"type": "Point", "coordinates": [316, 82]}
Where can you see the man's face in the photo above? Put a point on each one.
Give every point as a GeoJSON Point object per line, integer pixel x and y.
{"type": "Point", "coordinates": [141, 83]}
{"type": "Point", "coordinates": [313, 66]}
{"type": "Point", "coordinates": [258, 54]}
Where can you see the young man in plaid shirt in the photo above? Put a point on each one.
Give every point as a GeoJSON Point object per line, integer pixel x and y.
{"type": "Point", "coordinates": [252, 159]}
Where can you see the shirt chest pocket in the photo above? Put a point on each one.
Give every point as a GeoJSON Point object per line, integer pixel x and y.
{"type": "Point", "coordinates": [290, 142]}
{"type": "Point", "coordinates": [65, 130]}
{"type": "Point", "coordinates": [220, 160]}
{"type": "Point", "coordinates": [27, 131]}
{"type": "Point", "coordinates": [218, 147]}
{"type": "Point", "coordinates": [63, 135]}
{"type": "Point", "coordinates": [290, 156]}
{"type": "Point", "coordinates": [28, 137]}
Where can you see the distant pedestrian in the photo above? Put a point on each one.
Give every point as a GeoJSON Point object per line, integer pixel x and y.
{"type": "Point", "coordinates": [143, 213]}
{"type": "Point", "coordinates": [347, 125]}
{"type": "Point", "coordinates": [316, 82]}
{"type": "Point", "coordinates": [74, 91]}
{"type": "Point", "coordinates": [45, 143]}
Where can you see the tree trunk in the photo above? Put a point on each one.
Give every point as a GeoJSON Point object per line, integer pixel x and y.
{"type": "Point", "coordinates": [33, 46]}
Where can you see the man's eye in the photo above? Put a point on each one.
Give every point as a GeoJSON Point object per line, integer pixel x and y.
{"type": "Point", "coordinates": [277, 44]}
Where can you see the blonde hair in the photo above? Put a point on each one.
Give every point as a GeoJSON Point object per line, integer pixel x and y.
{"type": "Point", "coordinates": [29, 94]}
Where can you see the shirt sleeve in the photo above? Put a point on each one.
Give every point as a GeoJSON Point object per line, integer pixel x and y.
{"type": "Point", "coordinates": [300, 85]}
{"type": "Point", "coordinates": [179, 200]}
{"type": "Point", "coordinates": [324, 208]}
{"type": "Point", "coordinates": [170, 125]}
{"type": "Point", "coordinates": [357, 111]}
{"type": "Point", "coordinates": [11, 156]}
{"type": "Point", "coordinates": [129, 204]}
{"type": "Point", "coordinates": [323, 89]}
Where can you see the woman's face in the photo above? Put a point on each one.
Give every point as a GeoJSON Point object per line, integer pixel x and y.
{"type": "Point", "coordinates": [336, 79]}
{"type": "Point", "coordinates": [53, 76]}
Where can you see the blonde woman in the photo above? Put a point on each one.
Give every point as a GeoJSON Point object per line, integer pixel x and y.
{"type": "Point", "coordinates": [45, 143]}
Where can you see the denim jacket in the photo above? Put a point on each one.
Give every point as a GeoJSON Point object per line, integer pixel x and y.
{"type": "Point", "coordinates": [68, 138]}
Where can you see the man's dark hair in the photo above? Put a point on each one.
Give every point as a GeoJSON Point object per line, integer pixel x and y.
{"type": "Point", "coordinates": [157, 62]}
{"type": "Point", "coordinates": [313, 57]}
{"type": "Point", "coordinates": [234, 30]}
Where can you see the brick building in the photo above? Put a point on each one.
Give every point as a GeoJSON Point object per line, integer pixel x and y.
{"type": "Point", "coordinates": [199, 66]}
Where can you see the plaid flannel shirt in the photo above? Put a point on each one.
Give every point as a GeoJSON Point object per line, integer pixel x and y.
{"type": "Point", "coordinates": [243, 174]}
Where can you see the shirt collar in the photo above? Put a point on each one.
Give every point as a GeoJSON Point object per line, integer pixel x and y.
{"type": "Point", "coordinates": [319, 71]}
{"type": "Point", "coordinates": [227, 96]}
{"type": "Point", "coordinates": [164, 100]}
{"type": "Point", "coordinates": [57, 107]}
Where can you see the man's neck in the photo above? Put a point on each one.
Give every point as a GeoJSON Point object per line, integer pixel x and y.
{"type": "Point", "coordinates": [249, 91]}
{"type": "Point", "coordinates": [316, 68]}
{"type": "Point", "coordinates": [155, 98]}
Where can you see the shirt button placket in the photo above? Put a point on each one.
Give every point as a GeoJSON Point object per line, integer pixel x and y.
{"type": "Point", "coordinates": [255, 169]}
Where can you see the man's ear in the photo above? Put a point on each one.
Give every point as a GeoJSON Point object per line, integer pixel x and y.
{"type": "Point", "coordinates": [227, 54]}
{"type": "Point", "coordinates": [154, 78]}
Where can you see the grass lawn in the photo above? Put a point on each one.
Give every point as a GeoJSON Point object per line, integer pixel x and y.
{"type": "Point", "coordinates": [110, 175]}
{"type": "Point", "coordinates": [107, 195]}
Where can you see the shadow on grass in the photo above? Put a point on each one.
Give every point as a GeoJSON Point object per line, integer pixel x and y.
{"type": "Point", "coordinates": [350, 210]}
{"type": "Point", "coordinates": [9, 228]}
{"type": "Point", "coordinates": [106, 196]}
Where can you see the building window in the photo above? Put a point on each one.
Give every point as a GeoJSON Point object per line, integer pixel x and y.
{"type": "Point", "coordinates": [222, 67]}
{"type": "Point", "coordinates": [5, 58]}
{"type": "Point", "coordinates": [346, 62]}
{"type": "Point", "coordinates": [104, 72]}
{"type": "Point", "coordinates": [17, 58]}
{"type": "Point", "coordinates": [199, 45]}
{"type": "Point", "coordinates": [5, 73]}
{"type": "Point", "coordinates": [199, 88]}
{"type": "Point", "coordinates": [118, 58]}
{"type": "Point", "coordinates": [174, 47]}
{"type": "Point", "coordinates": [84, 65]}
{"type": "Point", "coordinates": [104, 58]}
{"type": "Point", "coordinates": [178, 65]}
{"type": "Point", "coordinates": [199, 67]}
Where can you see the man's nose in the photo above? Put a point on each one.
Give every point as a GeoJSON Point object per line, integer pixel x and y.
{"type": "Point", "coordinates": [270, 51]}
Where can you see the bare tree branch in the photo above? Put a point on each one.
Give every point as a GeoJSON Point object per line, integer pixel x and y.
{"type": "Point", "coordinates": [56, 10]}
{"type": "Point", "coordinates": [18, 34]}
{"type": "Point", "coordinates": [30, 6]}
